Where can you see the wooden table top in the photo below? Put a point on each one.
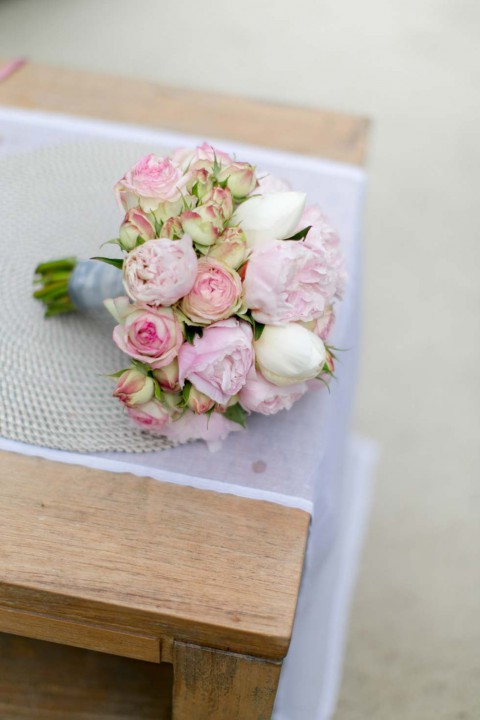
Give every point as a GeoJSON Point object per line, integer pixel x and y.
{"type": "Point", "coordinates": [132, 553]}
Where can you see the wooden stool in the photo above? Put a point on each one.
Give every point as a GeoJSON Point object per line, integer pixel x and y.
{"type": "Point", "coordinates": [156, 575]}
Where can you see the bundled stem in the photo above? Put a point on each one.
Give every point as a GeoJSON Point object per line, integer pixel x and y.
{"type": "Point", "coordinates": [52, 278]}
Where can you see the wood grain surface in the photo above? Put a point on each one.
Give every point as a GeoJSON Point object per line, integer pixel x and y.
{"type": "Point", "coordinates": [89, 637]}
{"type": "Point", "coordinates": [213, 685]}
{"type": "Point", "coordinates": [147, 557]}
{"type": "Point", "coordinates": [332, 135]}
{"type": "Point", "coordinates": [43, 681]}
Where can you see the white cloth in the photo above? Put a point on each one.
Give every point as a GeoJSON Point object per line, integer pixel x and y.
{"type": "Point", "coordinates": [300, 458]}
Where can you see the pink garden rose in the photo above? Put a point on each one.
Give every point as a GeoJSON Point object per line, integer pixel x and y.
{"type": "Point", "coordinates": [325, 242]}
{"type": "Point", "coordinates": [215, 295]}
{"type": "Point", "coordinates": [218, 362]}
{"type": "Point", "coordinates": [184, 157]}
{"type": "Point", "coordinates": [136, 224]}
{"type": "Point", "coordinates": [134, 388]}
{"type": "Point", "coordinates": [285, 282]}
{"type": "Point", "coordinates": [150, 182]}
{"type": "Point", "coordinates": [161, 271]}
{"type": "Point", "coordinates": [151, 416]}
{"type": "Point", "coordinates": [151, 335]}
{"type": "Point", "coordinates": [259, 395]}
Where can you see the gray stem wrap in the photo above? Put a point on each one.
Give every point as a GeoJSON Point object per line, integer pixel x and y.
{"type": "Point", "coordinates": [92, 282]}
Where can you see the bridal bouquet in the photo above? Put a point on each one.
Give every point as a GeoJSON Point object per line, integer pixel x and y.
{"type": "Point", "coordinates": [229, 290]}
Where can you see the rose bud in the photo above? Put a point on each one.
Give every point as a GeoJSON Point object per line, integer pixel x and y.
{"type": "Point", "coordinates": [289, 354]}
{"type": "Point", "coordinates": [329, 366]}
{"type": "Point", "coordinates": [173, 403]}
{"type": "Point", "coordinates": [201, 178]}
{"type": "Point", "coordinates": [231, 248]}
{"type": "Point", "coordinates": [222, 197]}
{"type": "Point", "coordinates": [134, 388]}
{"type": "Point", "coordinates": [216, 293]}
{"type": "Point", "coordinates": [240, 178]}
{"type": "Point", "coordinates": [204, 224]}
{"type": "Point", "coordinates": [136, 225]}
{"type": "Point", "coordinates": [186, 157]}
{"type": "Point", "coordinates": [199, 402]}
{"type": "Point", "coordinates": [172, 228]}
{"type": "Point", "coordinates": [167, 376]}
{"type": "Point", "coordinates": [151, 416]}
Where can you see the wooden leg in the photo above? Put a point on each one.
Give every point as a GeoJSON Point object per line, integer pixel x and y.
{"type": "Point", "coordinates": [214, 685]}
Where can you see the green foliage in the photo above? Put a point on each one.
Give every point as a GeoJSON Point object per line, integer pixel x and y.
{"type": "Point", "coordinates": [236, 413]}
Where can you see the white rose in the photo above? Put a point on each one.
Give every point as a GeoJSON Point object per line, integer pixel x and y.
{"type": "Point", "coordinates": [274, 216]}
{"type": "Point", "coordinates": [288, 354]}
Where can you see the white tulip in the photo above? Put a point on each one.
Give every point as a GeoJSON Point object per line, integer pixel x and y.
{"type": "Point", "coordinates": [274, 216]}
{"type": "Point", "coordinates": [288, 354]}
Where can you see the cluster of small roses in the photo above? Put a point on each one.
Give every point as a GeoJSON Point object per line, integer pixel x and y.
{"type": "Point", "coordinates": [231, 283]}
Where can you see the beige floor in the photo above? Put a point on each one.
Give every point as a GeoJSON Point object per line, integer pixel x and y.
{"type": "Point", "coordinates": [414, 66]}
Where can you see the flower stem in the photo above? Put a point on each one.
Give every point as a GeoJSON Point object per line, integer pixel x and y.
{"type": "Point", "coordinates": [53, 278]}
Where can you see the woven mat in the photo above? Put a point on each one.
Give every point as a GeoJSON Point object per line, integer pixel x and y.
{"type": "Point", "coordinates": [55, 202]}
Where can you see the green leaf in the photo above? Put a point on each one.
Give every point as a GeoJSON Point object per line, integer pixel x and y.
{"type": "Point", "coordinates": [158, 390]}
{"type": "Point", "coordinates": [258, 329]}
{"type": "Point", "coordinates": [186, 392]}
{"type": "Point", "coordinates": [191, 331]}
{"type": "Point", "coordinates": [236, 413]}
{"type": "Point", "coordinates": [301, 234]}
{"type": "Point", "coordinates": [142, 367]}
{"type": "Point", "coordinates": [114, 241]}
{"type": "Point", "coordinates": [119, 373]}
{"type": "Point", "coordinates": [116, 262]}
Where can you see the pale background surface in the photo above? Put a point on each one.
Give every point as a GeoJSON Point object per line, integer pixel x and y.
{"type": "Point", "coordinates": [414, 67]}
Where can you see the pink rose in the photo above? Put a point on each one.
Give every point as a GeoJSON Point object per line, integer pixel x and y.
{"type": "Point", "coordinates": [218, 362]}
{"type": "Point", "coordinates": [135, 225]}
{"type": "Point", "coordinates": [184, 157]}
{"type": "Point", "coordinates": [324, 241]}
{"type": "Point", "coordinates": [151, 335]}
{"type": "Point", "coordinates": [285, 282]}
{"type": "Point", "coordinates": [134, 388]}
{"type": "Point", "coordinates": [240, 178]}
{"type": "Point", "coordinates": [259, 395]}
{"type": "Point", "coordinates": [215, 295]}
{"type": "Point", "coordinates": [151, 416]}
{"type": "Point", "coordinates": [211, 428]}
{"type": "Point", "coordinates": [151, 181]}
{"type": "Point", "coordinates": [160, 272]}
